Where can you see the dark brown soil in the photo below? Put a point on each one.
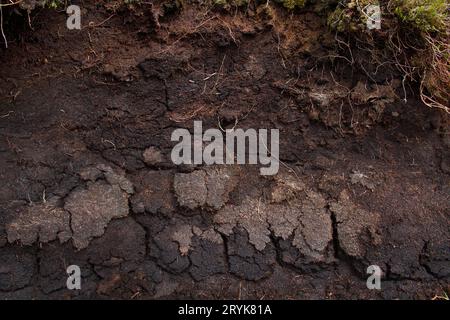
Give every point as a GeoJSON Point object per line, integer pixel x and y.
{"type": "Point", "coordinates": [86, 178]}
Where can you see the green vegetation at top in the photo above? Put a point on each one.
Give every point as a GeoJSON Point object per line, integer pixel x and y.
{"type": "Point", "coordinates": [292, 4]}
{"type": "Point", "coordinates": [425, 15]}
{"type": "Point", "coordinates": [422, 15]}
{"type": "Point", "coordinates": [289, 4]}
{"type": "Point", "coordinates": [414, 34]}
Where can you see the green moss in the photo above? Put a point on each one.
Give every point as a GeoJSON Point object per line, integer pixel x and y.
{"type": "Point", "coordinates": [289, 4]}
{"type": "Point", "coordinates": [237, 3]}
{"type": "Point", "coordinates": [31, 5]}
{"type": "Point", "coordinates": [425, 15]}
{"type": "Point", "coordinates": [292, 4]}
{"type": "Point", "coordinates": [220, 2]}
{"type": "Point", "coordinates": [54, 4]}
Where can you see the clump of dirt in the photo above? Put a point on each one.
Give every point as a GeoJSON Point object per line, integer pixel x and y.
{"type": "Point", "coordinates": [154, 192]}
{"type": "Point", "coordinates": [204, 188]}
{"type": "Point", "coordinates": [306, 220]}
{"type": "Point", "coordinates": [352, 222]}
{"type": "Point", "coordinates": [207, 256]}
{"type": "Point", "coordinates": [42, 222]}
{"type": "Point", "coordinates": [92, 209]}
{"type": "Point", "coordinates": [84, 215]}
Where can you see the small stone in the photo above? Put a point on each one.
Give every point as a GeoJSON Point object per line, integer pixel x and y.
{"type": "Point", "coordinates": [90, 174]}
{"type": "Point", "coordinates": [360, 178]}
{"type": "Point", "coordinates": [152, 156]}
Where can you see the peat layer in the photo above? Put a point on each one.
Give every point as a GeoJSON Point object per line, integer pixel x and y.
{"type": "Point", "coordinates": [86, 118]}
